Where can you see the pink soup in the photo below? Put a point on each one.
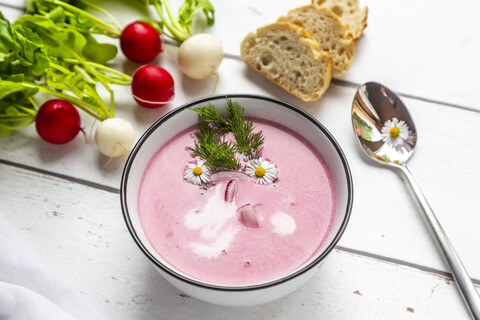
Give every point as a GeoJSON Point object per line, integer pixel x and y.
{"type": "Point", "coordinates": [202, 236]}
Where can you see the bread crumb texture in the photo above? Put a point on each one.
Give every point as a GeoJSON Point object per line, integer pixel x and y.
{"type": "Point", "coordinates": [289, 56]}
{"type": "Point", "coordinates": [330, 33]}
{"type": "Point", "coordinates": [349, 12]}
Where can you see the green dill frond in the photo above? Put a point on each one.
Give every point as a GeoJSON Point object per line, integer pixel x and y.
{"type": "Point", "coordinates": [212, 147]}
{"type": "Point", "coordinates": [210, 143]}
{"type": "Point", "coordinates": [235, 113]}
{"type": "Point", "coordinates": [210, 115]}
{"type": "Point", "coordinates": [255, 148]}
{"type": "Point", "coordinates": [249, 143]}
{"type": "Point", "coordinates": [218, 154]}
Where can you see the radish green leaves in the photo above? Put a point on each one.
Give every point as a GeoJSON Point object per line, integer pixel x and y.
{"type": "Point", "coordinates": [36, 55]}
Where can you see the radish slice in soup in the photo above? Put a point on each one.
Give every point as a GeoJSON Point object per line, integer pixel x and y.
{"type": "Point", "coordinates": [228, 175]}
{"type": "Point", "coordinates": [231, 190]}
{"type": "Point", "coordinates": [247, 215]}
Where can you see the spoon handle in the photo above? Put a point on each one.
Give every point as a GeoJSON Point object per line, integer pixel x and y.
{"type": "Point", "coordinates": [465, 285]}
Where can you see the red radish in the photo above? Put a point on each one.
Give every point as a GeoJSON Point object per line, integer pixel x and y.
{"type": "Point", "coordinates": [140, 42]}
{"type": "Point", "coordinates": [152, 86]}
{"type": "Point", "coordinates": [247, 215]}
{"type": "Point", "coordinates": [231, 190]}
{"type": "Point", "coordinates": [228, 174]}
{"type": "Point", "coordinates": [57, 121]}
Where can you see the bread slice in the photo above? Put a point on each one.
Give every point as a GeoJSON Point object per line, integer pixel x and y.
{"type": "Point", "coordinates": [330, 33]}
{"type": "Point", "coordinates": [349, 12]}
{"type": "Point", "coordinates": [289, 56]}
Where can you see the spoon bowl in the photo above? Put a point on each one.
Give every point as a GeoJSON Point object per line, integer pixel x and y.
{"type": "Point", "coordinates": [386, 132]}
{"type": "Point", "coordinates": [373, 106]}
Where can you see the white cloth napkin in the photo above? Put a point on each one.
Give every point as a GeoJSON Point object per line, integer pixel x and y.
{"type": "Point", "coordinates": [29, 292]}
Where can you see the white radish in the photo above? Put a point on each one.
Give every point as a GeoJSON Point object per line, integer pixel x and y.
{"type": "Point", "coordinates": [114, 137]}
{"type": "Point", "coordinates": [200, 55]}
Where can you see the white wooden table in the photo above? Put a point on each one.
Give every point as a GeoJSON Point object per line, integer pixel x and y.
{"type": "Point", "coordinates": [65, 204]}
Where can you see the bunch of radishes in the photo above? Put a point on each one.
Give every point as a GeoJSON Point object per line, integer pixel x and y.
{"type": "Point", "coordinates": [58, 121]}
{"type": "Point", "coordinates": [198, 57]}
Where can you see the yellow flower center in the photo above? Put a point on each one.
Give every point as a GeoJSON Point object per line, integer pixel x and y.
{"type": "Point", "coordinates": [197, 171]}
{"type": "Point", "coordinates": [259, 172]}
{"type": "Point", "coordinates": [394, 132]}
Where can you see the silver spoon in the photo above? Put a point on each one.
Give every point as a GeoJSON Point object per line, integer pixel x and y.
{"type": "Point", "coordinates": [376, 111]}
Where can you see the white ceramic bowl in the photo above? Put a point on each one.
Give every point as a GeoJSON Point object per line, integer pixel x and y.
{"type": "Point", "coordinates": [259, 107]}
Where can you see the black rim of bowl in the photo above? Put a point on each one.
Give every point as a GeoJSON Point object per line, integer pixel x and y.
{"type": "Point", "coordinates": [204, 285]}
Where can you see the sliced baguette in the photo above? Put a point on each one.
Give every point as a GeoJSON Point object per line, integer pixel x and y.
{"type": "Point", "coordinates": [330, 33]}
{"type": "Point", "coordinates": [349, 12]}
{"type": "Point", "coordinates": [289, 56]}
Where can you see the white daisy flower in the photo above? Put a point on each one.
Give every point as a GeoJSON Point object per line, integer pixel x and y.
{"type": "Point", "coordinates": [197, 173]}
{"type": "Point", "coordinates": [397, 134]}
{"type": "Point", "coordinates": [264, 171]}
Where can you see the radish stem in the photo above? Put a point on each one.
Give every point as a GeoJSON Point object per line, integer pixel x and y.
{"type": "Point", "coordinates": [85, 106]}
{"type": "Point", "coordinates": [177, 34]}
{"type": "Point", "coordinates": [115, 33]}
{"type": "Point", "coordinates": [102, 67]}
{"type": "Point", "coordinates": [105, 12]}
{"type": "Point", "coordinates": [17, 127]}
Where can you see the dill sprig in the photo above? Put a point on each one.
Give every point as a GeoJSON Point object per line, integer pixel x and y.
{"type": "Point", "coordinates": [217, 153]}
{"type": "Point", "coordinates": [248, 143]}
{"type": "Point", "coordinates": [210, 116]}
{"type": "Point", "coordinates": [211, 145]}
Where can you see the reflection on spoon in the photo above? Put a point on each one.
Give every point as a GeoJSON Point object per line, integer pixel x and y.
{"type": "Point", "coordinates": [387, 133]}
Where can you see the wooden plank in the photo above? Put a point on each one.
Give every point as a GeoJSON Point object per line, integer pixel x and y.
{"type": "Point", "coordinates": [12, 4]}
{"type": "Point", "coordinates": [407, 45]}
{"type": "Point", "coordinates": [71, 158]}
{"type": "Point", "coordinates": [81, 237]}
{"type": "Point", "coordinates": [12, 11]}
{"type": "Point", "coordinates": [391, 227]}
{"type": "Point", "coordinates": [386, 219]}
